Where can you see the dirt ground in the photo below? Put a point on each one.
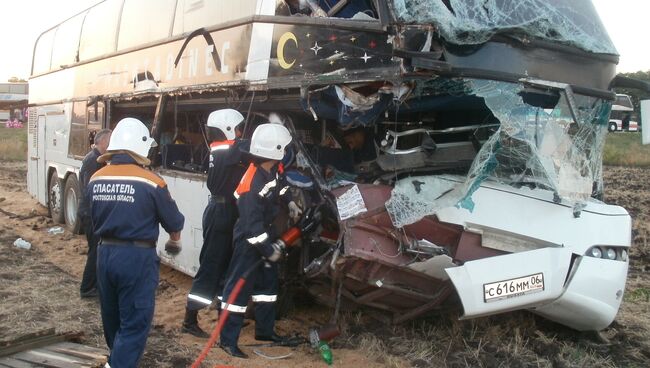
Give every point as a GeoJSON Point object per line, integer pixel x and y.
{"type": "Point", "coordinates": [40, 290]}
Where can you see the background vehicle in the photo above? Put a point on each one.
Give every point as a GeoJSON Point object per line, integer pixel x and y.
{"type": "Point", "coordinates": [623, 117]}
{"type": "Point", "coordinates": [451, 149]}
{"type": "Point", "coordinates": [13, 97]}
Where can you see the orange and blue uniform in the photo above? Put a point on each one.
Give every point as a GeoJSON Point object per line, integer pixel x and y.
{"type": "Point", "coordinates": [224, 172]}
{"type": "Point", "coordinates": [258, 198]}
{"type": "Point", "coordinates": [127, 206]}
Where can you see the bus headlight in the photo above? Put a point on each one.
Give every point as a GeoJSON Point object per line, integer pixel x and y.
{"type": "Point", "coordinates": [610, 253]}
{"type": "Point", "coordinates": [595, 252]}
{"type": "Point", "coordinates": [623, 255]}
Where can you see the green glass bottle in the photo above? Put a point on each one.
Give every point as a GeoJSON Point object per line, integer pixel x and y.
{"type": "Point", "coordinates": [325, 352]}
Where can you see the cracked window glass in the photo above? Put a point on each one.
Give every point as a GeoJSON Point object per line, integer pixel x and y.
{"type": "Point", "coordinates": [470, 22]}
{"type": "Point", "coordinates": [547, 139]}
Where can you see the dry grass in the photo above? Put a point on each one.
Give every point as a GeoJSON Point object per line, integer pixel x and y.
{"type": "Point", "coordinates": [13, 144]}
{"type": "Point", "coordinates": [625, 149]}
{"type": "Point", "coordinates": [517, 339]}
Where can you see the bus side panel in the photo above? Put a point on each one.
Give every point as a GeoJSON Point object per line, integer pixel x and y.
{"type": "Point", "coordinates": [36, 172]}
{"type": "Point", "coordinates": [57, 139]}
{"type": "Point", "coordinates": [32, 153]}
{"type": "Point", "coordinates": [191, 196]}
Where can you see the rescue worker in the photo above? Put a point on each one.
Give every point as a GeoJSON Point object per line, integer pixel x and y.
{"type": "Point", "coordinates": [224, 172]}
{"type": "Point", "coordinates": [89, 165]}
{"type": "Point", "coordinates": [127, 205]}
{"type": "Point", "coordinates": [257, 196]}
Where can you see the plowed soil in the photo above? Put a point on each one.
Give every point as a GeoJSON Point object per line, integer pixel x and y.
{"type": "Point", "coordinates": [40, 289]}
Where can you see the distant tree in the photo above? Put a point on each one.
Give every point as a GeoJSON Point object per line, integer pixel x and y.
{"type": "Point", "coordinates": [15, 80]}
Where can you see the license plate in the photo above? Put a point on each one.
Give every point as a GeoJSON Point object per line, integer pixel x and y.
{"type": "Point", "coordinates": [513, 288]}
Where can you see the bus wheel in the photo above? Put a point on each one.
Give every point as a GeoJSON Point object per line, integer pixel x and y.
{"type": "Point", "coordinates": [612, 127]}
{"type": "Point", "coordinates": [54, 199]}
{"type": "Point", "coordinates": [71, 197]}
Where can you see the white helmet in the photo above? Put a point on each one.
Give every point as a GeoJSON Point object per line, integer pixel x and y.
{"type": "Point", "coordinates": [131, 135]}
{"type": "Point", "coordinates": [269, 141]}
{"type": "Point", "coordinates": [225, 120]}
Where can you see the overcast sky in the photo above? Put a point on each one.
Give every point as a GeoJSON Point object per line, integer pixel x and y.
{"type": "Point", "coordinates": [24, 20]}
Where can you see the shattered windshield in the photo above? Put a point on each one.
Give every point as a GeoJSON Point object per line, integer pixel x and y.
{"type": "Point", "coordinates": [547, 139]}
{"type": "Point", "coordinates": [468, 22]}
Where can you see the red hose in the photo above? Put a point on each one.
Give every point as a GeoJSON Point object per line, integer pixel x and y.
{"type": "Point", "coordinates": [223, 317]}
{"type": "Point", "coordinates": [222, 321]}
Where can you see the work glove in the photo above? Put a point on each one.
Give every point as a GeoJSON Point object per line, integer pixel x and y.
{"type": "Point", "coordinates": [173, 246]}
{"type": "Point", "coordinates": [294, 211]}
{"type": "Point", "coordinates": [277, 251]}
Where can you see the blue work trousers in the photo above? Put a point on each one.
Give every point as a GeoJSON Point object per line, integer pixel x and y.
{"type": "Point", "coordinates": [218, 222]}
{"type": "Point", "coordinates": [127, 278]}
{"type": "Point", "coordinates": [262, 283]}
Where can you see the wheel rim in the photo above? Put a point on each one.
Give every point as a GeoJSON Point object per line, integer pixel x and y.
{"type": "Point", "coordinates": [71, 207]}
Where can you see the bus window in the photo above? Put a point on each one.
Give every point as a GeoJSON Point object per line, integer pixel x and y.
{"type": "Point", "coordinates": [79, 144]}
{"type": "Point", "coordinates": [43, 52]}
{"type": "Point", "coordinates": [194, 14]}
{"type": "Point", "coordinates": [66, 42]}
{"type": "Point", "coordinates": [99, 30]}
{"type": "Point", "coordinates": [624, 100]}
{"type": "Point", "coordinates": [95, 116]}
{"type": "Point", "coordinates": [18, 88]}
{"type": "Point", "coordinates": [144, 21]}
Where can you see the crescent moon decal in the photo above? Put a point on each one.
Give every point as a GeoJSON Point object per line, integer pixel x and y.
{"type": "Point", "coordinates": [280, 51]}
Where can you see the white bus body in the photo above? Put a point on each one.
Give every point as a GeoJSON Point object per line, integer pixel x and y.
{"type": "Point", "coordinates": [523, 217]}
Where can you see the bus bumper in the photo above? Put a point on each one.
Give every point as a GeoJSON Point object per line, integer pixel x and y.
{"type": "Point", "coordinates": [584, 295]}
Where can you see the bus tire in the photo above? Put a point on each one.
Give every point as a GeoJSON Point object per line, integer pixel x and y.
{"type": "Point", "coordinates": [612, 127]}
{"type": "Point", "coordinates": [71, 198]}
{"type": "Point", "coordinates": [55, 198]}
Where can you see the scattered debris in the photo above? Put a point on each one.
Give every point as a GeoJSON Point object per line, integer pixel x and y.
{"type": "Point", "coordinates": [22, 243]}
{"type": "Point", "coordinates": [55, 230]}
{"type": "Point", "coordinates": [46, 348]}
{"type": "Point", "coordinates": [271, 357]}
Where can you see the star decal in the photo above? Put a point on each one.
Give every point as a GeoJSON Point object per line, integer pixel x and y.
{"type": "Point", "coordinates": [352, 39]}
{"type": "Point", "coordinates": [365, 57]}
{"type": "Point", "coordinates": [316, 48]}
{"type": "Point", "coordinates": [331, 62]}
{"type": "Point", "coordinates": [308, 35]}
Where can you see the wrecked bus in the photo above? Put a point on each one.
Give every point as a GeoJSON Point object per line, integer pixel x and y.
{"type": "Point", "coordinates": [453, 147]}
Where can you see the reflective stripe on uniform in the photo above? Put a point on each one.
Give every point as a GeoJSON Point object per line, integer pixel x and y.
{"type": "Point", "coordinates": [199, 299]}
{"type": "Point", "coordinates": [233, 308]}
{"type": "Point", "coordinates": [267, 187]}
{"type": "Point", "coordinates": [261, 298]}
{"type": "Point", "coordinates": [284, 190]}
{"type": "Point", "coordinates": [258, 239]}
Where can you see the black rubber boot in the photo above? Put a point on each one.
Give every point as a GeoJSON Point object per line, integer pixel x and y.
{"type": "Point", "coordinates": [234, 351]}
{"type": "Point", "coordinates": [191, 324]}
